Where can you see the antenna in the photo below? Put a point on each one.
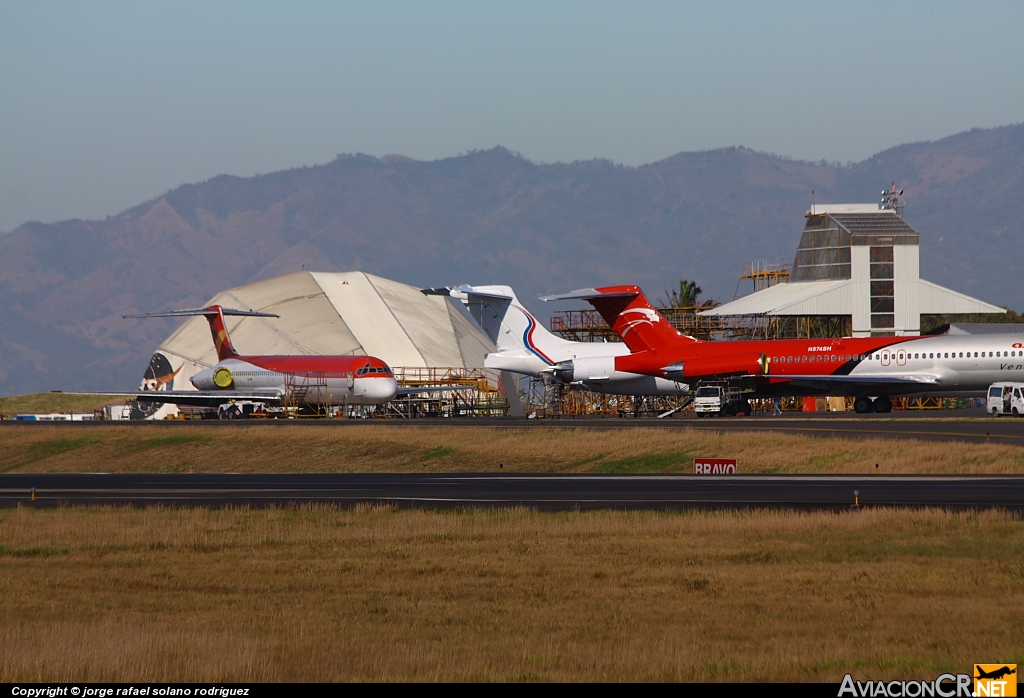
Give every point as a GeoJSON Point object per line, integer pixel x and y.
{"type": "Point", "coordinates": [892, 200]}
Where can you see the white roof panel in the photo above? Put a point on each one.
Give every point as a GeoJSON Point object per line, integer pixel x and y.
{"type": "Point", "coordinates": [371, 320]}
{"type": "Point", "coordinates": [938, 300]}
{"type": "Point", "coordinates": [788, 299]}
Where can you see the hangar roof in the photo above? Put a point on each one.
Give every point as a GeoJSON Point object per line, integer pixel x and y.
{"type": "Point", "coordinates": [836, 298]}
{"type": "Point", "coordinates": [786, 299]}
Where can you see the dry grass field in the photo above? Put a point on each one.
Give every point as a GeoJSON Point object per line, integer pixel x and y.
{"type": "Point", "coordinates": [378, 448]}
{"type": "Point", "coordinates": [55, 402]}
{"type": "Point", "coordinates": [318, 594]}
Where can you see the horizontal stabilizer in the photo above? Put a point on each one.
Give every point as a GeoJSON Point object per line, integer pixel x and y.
{"type": "Point", "coordinates": [586, 294]}
{"type": "Point", "coordinates": [211, 311]}
{"type": "Point", "coordinates": [496, 292]}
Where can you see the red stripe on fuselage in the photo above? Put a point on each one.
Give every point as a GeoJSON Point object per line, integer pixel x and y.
{"type": "Point", "coordinates": [327, 365]}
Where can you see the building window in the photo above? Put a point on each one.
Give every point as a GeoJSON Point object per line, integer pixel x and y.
{"type": "Point", "coordinates": [883, 288]}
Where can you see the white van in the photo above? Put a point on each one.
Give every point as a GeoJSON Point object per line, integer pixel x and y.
{"type": "Point", "coordinates": [1006, 398]}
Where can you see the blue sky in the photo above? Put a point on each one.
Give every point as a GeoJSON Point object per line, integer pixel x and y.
{"type": "Point", "coordinates": [105, 105]}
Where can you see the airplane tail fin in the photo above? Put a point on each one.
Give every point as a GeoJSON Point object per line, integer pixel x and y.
{"type": "Point", "coordinates": [505, 321]}
{"type": "Point", "coordinates": [218, 329]}
{"type": "Point", "coordinates": [630, 314]}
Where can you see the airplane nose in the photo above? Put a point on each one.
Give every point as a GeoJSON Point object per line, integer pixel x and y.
{"type": "Point", "coordinates": [377, 390]}
{"type": "Point", "coordinates": [386, 389]}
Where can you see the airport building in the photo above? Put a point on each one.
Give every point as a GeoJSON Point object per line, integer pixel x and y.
{"type": "Point", "coordinates": [856, 272]}
{"type": "Point", "coordinates": [424, 338]}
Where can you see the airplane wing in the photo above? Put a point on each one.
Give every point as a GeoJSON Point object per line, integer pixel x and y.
{"type": "Point", "coordinates": [412, 390]}
{"type": "Point", "coordinates": [197, 398]}
{"type": "Point", "coordinates": [909, 379]}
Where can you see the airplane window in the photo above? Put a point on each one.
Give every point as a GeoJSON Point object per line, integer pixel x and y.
{"type": "Point", "coordinates": [961, 355]}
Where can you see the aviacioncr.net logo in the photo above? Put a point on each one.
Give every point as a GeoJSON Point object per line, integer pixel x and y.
{"type": "Point", "coordinates": [944, 686]}
{"type": "Point", "coordinates": [995, 680]}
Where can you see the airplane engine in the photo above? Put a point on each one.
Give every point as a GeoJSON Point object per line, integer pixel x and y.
{"type": "Point", "coordinates": [586, 369]}
{"type": "Point", "coordinates": [223, 378]}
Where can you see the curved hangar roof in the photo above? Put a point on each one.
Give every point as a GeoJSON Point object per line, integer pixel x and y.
{"type": "Point", "coordinates": [333, 313]}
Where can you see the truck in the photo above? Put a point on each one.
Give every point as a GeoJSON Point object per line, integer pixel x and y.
{"type": "Point", "coordinates": [1006, 398]}
{"type": "Point", "coordinates": [719, 398]}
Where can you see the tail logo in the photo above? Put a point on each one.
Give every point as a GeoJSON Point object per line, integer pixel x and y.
{"type": "Point", "coordinates": [528, 338]}
{"type": "Point", "coordinates": [649, 317]}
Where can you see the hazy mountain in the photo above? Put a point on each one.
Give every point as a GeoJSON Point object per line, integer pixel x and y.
{"type": "Point", "coordinates": [484, 217]}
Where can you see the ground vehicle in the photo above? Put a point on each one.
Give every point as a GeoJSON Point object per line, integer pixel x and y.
{"type": "Point", "coordinates": [719, 398]}
{"type": "Point", "coordinates": [1005, 398]}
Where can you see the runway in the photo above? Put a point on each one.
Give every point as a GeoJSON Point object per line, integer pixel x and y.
{"type": "Point", "coordinates": [543, 492]}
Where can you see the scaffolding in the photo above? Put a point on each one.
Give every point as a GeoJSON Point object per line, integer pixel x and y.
{"type": "Point", "coordinates": [475, 392]}
{"type": "Point", "coordinates": [545, 398]}
{"type": "Point", "coordinates": [764, 274]}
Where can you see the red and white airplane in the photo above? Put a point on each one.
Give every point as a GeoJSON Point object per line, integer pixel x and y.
{"type": "Point", "coordinates": [871, 369]}
{"type": "Point", "coordinates": [310, 381]}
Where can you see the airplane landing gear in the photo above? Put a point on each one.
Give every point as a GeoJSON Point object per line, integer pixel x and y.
{"type": "Point", "coordinates": [881, 404]}
{"type": "Point", "coordinates": [862, 405]}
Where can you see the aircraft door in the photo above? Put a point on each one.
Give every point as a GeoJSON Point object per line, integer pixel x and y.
{"type": "Point", "coordinates": [885, 358]}
{"type": "Point", "coordinates": [351, 380]}
{"type": "Point", "coordinates": [901, 358]}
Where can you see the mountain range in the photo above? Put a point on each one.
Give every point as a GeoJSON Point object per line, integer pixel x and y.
{"type": "Point", "coordinates": [482, 217]}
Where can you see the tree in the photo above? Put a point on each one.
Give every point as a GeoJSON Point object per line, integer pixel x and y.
{"type": "Point", "coordinates": [685, 297]}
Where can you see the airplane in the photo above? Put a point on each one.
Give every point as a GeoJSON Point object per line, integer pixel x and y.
{"type": "Point", "coordinates": [995, 673]}
{"type": "Point", "coordinates": [860, 367]}
{"type": "Point", "coordinates": [273, 380]}
{"type": "Point", "coordinates": [525, 347]}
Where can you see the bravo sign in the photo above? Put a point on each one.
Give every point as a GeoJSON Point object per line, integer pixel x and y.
{"type": "Point", "coordinates": [714, 466]}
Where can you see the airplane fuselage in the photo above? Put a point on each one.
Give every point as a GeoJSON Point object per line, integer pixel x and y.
{"type": "Point", "coordinates": [965, 364]}
{"type": "Point", "coordinates": [305, 380]}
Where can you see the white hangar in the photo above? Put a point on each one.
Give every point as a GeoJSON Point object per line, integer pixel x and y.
{"type": "Point", "coordinates": [328, 313]}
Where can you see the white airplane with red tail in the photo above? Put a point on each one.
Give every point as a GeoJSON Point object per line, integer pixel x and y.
{"type": "Point", "coordinates": [274, 380]}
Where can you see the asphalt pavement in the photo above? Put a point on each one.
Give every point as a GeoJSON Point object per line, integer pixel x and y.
{"type": "Point", "coordinates": [544, 492]}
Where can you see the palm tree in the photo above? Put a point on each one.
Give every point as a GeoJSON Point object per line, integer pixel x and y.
{"type": "Point", "coordinates": [685, 297]}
